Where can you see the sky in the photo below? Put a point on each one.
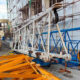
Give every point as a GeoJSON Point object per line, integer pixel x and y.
{"type": "Point", "coordinates": [3, 9]}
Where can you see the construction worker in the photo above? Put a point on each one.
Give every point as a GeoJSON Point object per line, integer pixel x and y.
{"type": "Point", "coordinates": [56, 16]}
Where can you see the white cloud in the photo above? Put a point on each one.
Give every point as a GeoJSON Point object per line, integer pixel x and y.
{"type": "Point", "coordinates": [3, 9]}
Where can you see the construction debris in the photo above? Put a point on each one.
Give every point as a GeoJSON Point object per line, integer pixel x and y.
{"type": "Point", "coordinates": [21, 67]}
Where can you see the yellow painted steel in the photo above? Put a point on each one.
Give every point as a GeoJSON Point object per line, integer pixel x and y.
{"type": "Point", "coordinates": [78, 56]}
{"type": "Point", "coordinates": [21, 67]}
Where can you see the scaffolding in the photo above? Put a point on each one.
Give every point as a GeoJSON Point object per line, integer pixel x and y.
{"type": "Point", "coordinates": [42, 37]}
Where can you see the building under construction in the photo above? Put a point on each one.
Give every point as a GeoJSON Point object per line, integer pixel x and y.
{"type": "Point", "coordinates": [44, 33]}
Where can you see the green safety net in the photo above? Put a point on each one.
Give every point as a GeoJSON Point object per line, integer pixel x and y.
{"type": "Point", "coordinates": [8, 27]}
{"type": "Point", "coordinates": [30, 3]}
{"type": "Point", "coordinates": [7, 3]}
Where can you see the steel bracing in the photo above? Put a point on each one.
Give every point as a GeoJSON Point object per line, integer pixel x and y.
{"type": "Point", "coordinates": [29, 38]}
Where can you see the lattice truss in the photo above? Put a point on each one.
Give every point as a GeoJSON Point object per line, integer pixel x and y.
{"type": "Point", "coordinates": [21, 67]}
{"type": "Point", "coordinates": [29, 38]}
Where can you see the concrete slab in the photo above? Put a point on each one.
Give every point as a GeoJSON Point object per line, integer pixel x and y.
{"type": "Point", "coordinates": [4, 49]}
{"type": "Point", "coordinates": [74, 75]}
